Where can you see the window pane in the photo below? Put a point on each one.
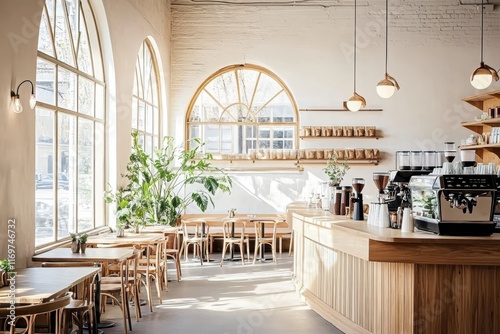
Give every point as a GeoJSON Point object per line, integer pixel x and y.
{"type": "Point", "coordinates": [142, 115]}
{"type": "Point", "coordinates": [134, 113]}
{"type": "Point", "coordinates": [85, 174]}
{"type": "Point", "coordinates": [99, 168]}
{"type": "Point", "coordinates": [84, 55]}
{"type": "Point", "coordinates": [149, 118]}
{"type": "Point", "coordinates": [66, 171]}
{"type": "Point", "coordinates": [44, 182]}
{"type": "Point", "coordinates": [66, 89]}
{"type": "Point", "coordinates": [85, 96]}
{"type": "Point", "coordinates": [99, 101]}
{"type": "Point", "coordinates": [45, 82]}
{"type": "Point", "coordinates": [156, 121]}
{"type": "Point", "coordinates": [44, 37]}
{"type": "Point", "coordinates": [62, 36]}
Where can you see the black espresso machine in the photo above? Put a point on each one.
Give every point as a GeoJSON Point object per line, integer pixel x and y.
{"type": "Point", "coordinates": [454, 204]}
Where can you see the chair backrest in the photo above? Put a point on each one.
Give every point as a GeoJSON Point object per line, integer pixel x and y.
{"type": "Point", "coordinates": [34, 309]}
{"type": "Point", "coordinates": [266, 223]}
{"type": "Point", "coordinates": [239, 228]}
{"type": "Point", "coordinates": [194, 228]}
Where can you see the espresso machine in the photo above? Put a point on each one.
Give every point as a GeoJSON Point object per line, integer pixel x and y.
{"type": "Point", "coordinates": [398, 193]}
{"type": "Point", "coordinates": [454, 204]}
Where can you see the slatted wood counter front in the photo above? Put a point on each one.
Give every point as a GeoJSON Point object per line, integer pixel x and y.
{"type": "Point", "coordinates": [366, 279]}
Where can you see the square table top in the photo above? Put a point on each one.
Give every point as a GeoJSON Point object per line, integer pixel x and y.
{"type": "Point", "coordinates": [39, 285]}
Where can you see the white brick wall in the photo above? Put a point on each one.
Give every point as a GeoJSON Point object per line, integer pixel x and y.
{"type": "Point", "coordinates": [434, 47]}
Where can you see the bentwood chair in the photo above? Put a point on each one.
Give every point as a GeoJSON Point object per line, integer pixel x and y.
{"type": "Point", "coordinates": [82, 305]}
{"type": "Point", "coordinates": [261, 239]}
{"type": "Point", "coordinates": [124, 285]}
{"type": "Point", "coordinates": [195, 232]}
{"type": "Point", "coordinates": [231, 239]}
{"type": "Point", "coordinates": [152, 268]}
{"type": "Point", "coordinates": [29, 313]}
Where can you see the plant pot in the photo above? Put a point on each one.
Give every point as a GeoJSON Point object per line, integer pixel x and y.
{"type": "Point", "coordinates": [83, 247]}
{"type": "Point", "coordinates": [119, 232]}
{"type": "Point", "coordinates": [75, 247]}
{"type": "Point", "coordinates": [136, 229]}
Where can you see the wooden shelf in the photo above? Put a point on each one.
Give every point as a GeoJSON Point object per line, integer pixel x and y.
{"type": "Point", "coordinates": [338, 109]}
{"type": "Point", "coordinates": [482, 100]}
{"type": "Point", "coordinates": [349, 162]}
{"type": "Point", "coordinates": [476, 147]}
{"type": "Point", "coordinates": [339, 137]}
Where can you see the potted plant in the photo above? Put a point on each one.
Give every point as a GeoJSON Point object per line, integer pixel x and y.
{"type": "Point", "coordinates": [335, 170]}
{"type": "Point", "coordinates": [82, 238]}
{"type": "Point", "coordinates": [157, 183]}
{"type": "Point", "coordinates": [75, 244]}
{"type": "Point", "coordinates": [123, 198]}
{"type": "Point", "coordinates": [6, 269]}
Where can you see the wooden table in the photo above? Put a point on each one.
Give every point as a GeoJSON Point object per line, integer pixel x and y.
{"type": "Point", "coordinates": [40, 285]}
{"type": "Point", "coordinates": [132, 239]}
{"type": "Point", "coordinates": [102, 255]}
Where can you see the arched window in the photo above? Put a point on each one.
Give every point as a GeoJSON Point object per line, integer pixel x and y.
{"type": "Point", "coordinates": [70, 116]}
{"type": "Point", "coordinates": [145, 101]}
{"type": "Point", "coordinates": [240, 108]}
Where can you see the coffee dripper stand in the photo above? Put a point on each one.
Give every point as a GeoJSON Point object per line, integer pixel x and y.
{"type": "Point", "coordinates": [358, 184]}
{"type": "Point", "coordinates": [379, 211]}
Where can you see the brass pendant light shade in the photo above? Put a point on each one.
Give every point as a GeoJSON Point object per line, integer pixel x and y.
{"type": "Point", "coordinates": [356, 102]}
{"type": "Point", "coordinates": [387, 87]}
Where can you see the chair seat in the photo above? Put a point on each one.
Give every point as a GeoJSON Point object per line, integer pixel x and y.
{"type": "Point", "coordinates": [77, 304]}
{"type": "Point", "coordinates": [110, 288]}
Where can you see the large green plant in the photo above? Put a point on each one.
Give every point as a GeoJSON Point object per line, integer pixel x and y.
{"type": "Point", "coordinates": [157, 193]}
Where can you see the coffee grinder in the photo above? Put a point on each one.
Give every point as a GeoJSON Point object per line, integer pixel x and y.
{"type": "Point", "coordinates": [358, 184]}
{"type": "Point", "coordinates": [379, 211]}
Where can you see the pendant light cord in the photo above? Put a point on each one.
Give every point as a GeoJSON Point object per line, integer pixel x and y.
{"type": "Point", "coordinates": [386, 33]}
{"type": "Point", "coordinates": [355, 16]}
{"type": "Point", "coordinates": [482, 28]}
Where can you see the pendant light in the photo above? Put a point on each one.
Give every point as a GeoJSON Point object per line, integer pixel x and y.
{"type": "Point", "coordinates": [483, 76]}
{"type": "Point", "coordinates": [388, 86]}
{"type": "Point", "coordinates": [356, 102]}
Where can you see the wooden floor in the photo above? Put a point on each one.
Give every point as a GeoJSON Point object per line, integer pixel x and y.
{"type": "Point", "coordinates": [234, 299]}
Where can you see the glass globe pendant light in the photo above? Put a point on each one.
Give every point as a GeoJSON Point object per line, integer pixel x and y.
{"type": "Point", "coordinates": [484, 75]}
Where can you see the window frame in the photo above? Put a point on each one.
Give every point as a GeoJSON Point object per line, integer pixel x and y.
{"type": "Point", "coordinates": [97, 121]}
{"type": "Point", "coordinates": [244, 124]}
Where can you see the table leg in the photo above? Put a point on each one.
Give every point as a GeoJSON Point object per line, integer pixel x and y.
{"type": "Point", "coordinates": [262, 246]}
{"type": "Point", "coordinates": [232, 236]}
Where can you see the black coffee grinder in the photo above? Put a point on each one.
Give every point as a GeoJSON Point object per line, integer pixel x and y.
{"type": "Point", "coordinates": [358, 184]}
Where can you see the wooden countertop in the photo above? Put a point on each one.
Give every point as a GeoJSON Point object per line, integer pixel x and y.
{"type": "Point", "coordinates": [389, 245]}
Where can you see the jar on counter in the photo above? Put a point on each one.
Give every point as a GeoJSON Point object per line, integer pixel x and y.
{"type": "Point", "coordinates": [403, 159]}
{"type": "Point", "coordinates": [416, 160]}
{"type": "Point", "coordinates": [336, 201]}
{"type": "Point", "coordinates": [346, 198]}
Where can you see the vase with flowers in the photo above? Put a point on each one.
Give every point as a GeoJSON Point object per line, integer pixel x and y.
{"type": "Point", "coordinates": [335, 170]}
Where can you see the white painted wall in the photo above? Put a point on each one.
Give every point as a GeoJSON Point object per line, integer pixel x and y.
{"type": "Point", "coordinates": [434, 47]}
{"type": "Point", "coordinates": [129, 22]}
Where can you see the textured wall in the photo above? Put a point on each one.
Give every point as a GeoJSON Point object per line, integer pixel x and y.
{"type": "Point", "coordinates": [434, 47]}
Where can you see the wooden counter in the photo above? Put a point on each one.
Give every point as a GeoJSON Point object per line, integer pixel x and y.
{"type": "Point", "coordinates": [367, 279]}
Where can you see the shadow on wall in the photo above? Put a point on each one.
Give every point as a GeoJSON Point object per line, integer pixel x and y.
{"type": "Point", "coordinates": [261, 193]}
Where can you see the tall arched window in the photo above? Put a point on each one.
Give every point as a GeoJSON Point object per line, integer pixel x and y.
{"type": "Point", "coordinates": [243, 107]}
{"type": "Point", "coordinates": [145, 101]}
{"type": "Point", "coordinates": [70, 116]}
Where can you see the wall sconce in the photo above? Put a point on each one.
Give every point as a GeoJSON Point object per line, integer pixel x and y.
{"type": "Point", "coordinates": [15, 103]}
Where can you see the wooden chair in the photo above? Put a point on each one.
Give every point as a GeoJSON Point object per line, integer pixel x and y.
{"type": "Point", "coordinates": [195, 232]}
{"type": "Point", "coordinates": [30, 312]}
{"type": "Point", "coordinates": [262, 239]}
{"type": "Point", "coordinates": [112, 286]}
{"type": "Point", "coordinates": [133, 280]}
{"type": "Point", "coordinates": [82, 305]}
{"type": "Point", "coordinates": [230, 239]}
{"type": "Point", "coordinates": [151, 267]}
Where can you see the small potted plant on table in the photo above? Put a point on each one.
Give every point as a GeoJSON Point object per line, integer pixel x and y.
{"type": "Point", "coordinates": [82, 238]}
{"type": "Point", "coordinates": [75, 243]}
{"type": "Point", "coordinates": [6, 269]}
